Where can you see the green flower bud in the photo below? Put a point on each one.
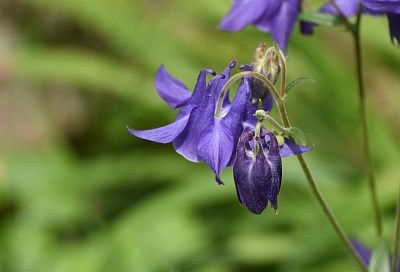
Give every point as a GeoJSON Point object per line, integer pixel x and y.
{"type": "Point", "coordinates": [266, 62]}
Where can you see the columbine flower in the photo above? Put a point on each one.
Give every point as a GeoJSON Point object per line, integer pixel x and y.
{"type": "Point", "coordinates": [391, 8]}
{"type": "Point", "coordinates": [197, 134]}
{"type": "Point", "coordinates": [208, 126]}
{"type": "Point", "coordinates": [275, 16]}
{"type": "Point", "coordinates": [257, 171]}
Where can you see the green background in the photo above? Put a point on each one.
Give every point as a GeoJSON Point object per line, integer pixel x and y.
{"type": "Point", "coordinates": [78, 193]}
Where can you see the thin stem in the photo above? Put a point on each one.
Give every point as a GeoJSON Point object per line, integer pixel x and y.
{"type": "Point", "coordinates": [321, 200]}
{"type": "Point", "coordinates": [397, 237]}
{"type": "Point", "coordinates": [364, 124]}
{"type": "Point", "coordinates": [282, 62]}
{"type": "Point", "coordinates": [355, 31]}
{"type": "Point", "coordinates": [276, 124]}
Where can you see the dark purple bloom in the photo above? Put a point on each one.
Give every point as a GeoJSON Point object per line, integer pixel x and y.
{"type": "Point", "coordinates": [196, 134]}
{"type": "Point", "coordinates": [391, 8]}
{"type": "Point", "coordinates": [257, 171]}
{"type": "Point", "coordinates": [275, 16]}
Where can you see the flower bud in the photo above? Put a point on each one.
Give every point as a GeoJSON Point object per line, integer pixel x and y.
{"type": "Point", "coordinates": [266, 62]}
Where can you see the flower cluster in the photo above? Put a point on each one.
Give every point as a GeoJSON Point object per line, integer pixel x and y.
{"type": "Point", "coordinates": [212, 129]}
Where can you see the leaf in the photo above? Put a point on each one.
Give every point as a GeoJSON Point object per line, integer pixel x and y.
{"type": "Point", "coordinates": [297, 135]}
{"type": "Point", "coordinates": [380, 260]}
{"type": "Point", "coordinates": [321, 19]}
{"type": "Point", "coordinates": [297, 81]}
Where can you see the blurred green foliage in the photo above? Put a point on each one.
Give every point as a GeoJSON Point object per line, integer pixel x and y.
{"type": "Point", "coordinates": [78, 193]}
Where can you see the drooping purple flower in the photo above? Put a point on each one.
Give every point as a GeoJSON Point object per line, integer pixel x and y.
{"type": "Point", "coordinates": [257, 171]}
{"type": "Point", "coordinates": [273, 16]}
{"type": "Point", "coordinates": [391, 8]}
{"type": "Point", "coordinates": [197, 134]}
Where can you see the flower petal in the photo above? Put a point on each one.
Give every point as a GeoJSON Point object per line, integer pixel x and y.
{"type": "Point", "coordinates": [264, 23]}
{"type": "Point", "coordinates": [186, 143]}
{"type": "Point", "coordinates": [382, 5]}
{"type": "Point", "coordinates": [227, 73]}
{"type": "Point", "coordinates": [251, 175]}
{"type": "Point", "coordinates": [284, 21]}
{"type": "Point", "coordinates": [170, 89]}
{"type": "Point", "coordinates": [200, 88]}
{"type": "Point", "coordinates": [237, 114]}
{"type": "Point", "coordinates": [218, 140]}
{"type": "Point", "coordinates": [306, 28]}
{"type": "Point", "coordinates": [290, 148]}
{"type": "Point", "coordinates": [275, 164]}
{"type": "Point", "coordinates": [164, 134]}
{"type": "Point", "coordinates": [242, 13]}
{"type": "Point", "coordinates": [348, 7]}
{"type": "Point", "coordinates": [394, 26]}
{"type": "Point", "coordinates": [216, 146]}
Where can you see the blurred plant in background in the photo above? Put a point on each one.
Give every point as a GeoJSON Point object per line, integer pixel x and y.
{"type": "Point", "coordinates": [77, 193]}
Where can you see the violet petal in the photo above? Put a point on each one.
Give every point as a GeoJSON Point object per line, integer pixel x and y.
{"type": "Point", "coordinates": [170, 89]}
{"type": "Point", "coordinates": [242, 13]}
{"type": "Point", "coordinates": [251, 176]}
{"type": "Point", "coordinates": [165, 134]}
{"type": "Point", "coordinates": [283, 23]}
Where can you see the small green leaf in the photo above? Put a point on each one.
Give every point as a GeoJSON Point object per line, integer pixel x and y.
{"type": "Point", "coordinates": [380, 260]}
{"type": "Point", "coordinates": [321, 19]}
{"type": "Point", "coordinates": [297, 81]}
{"type": "Point", "coordinates": [297, 135]}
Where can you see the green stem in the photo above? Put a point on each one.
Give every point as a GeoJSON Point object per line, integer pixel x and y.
{"type": "Point", "coordinates": [397, 237]}
{"type": "Point", "coordinates": [321, 200]}
{"type": "Point", "coordinates": [281, 129]}
{"type": "Point", "coordinates": [355, 31]}
{"type": "Point", "coordinates": [364, 123]}
{"type": "Point", "coordinates": [282, 62]}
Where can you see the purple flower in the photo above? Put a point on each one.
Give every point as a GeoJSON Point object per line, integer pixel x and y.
{"type": "Point", "coordinates": [391, 8]}
{"type": "Point", "coordinates": [275, 16]}
{"type": "Point", "coordinates": [257, 171]}
{"type": "Point", "coordinates": [201, 135]}
{"type": "Point", "coordinates": [196, 133]}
